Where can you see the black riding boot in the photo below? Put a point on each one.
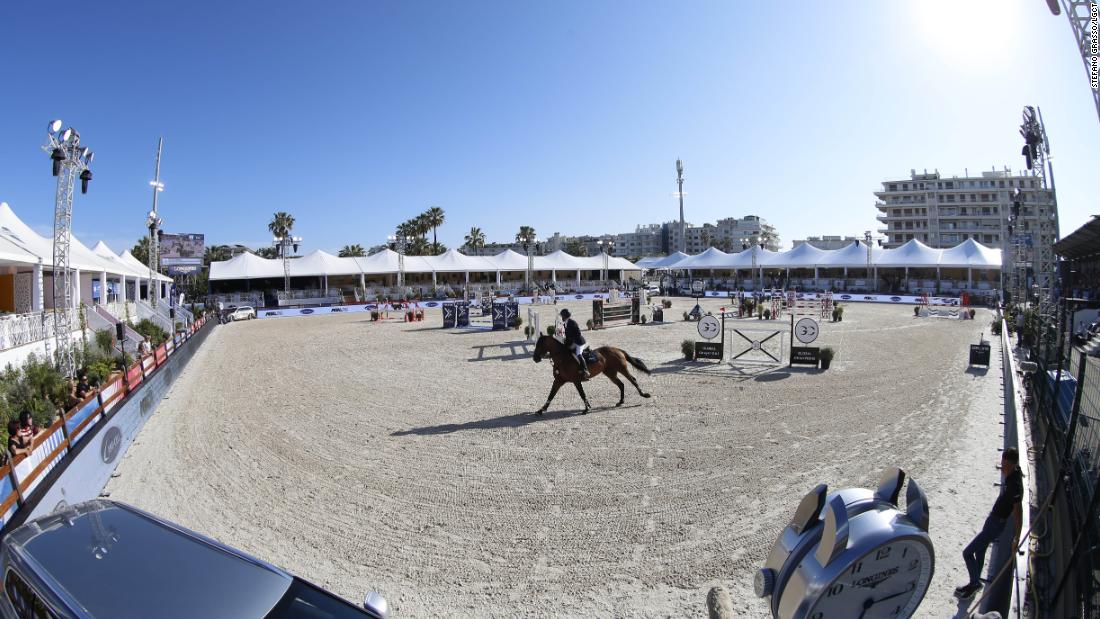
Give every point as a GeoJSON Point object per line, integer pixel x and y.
{"type": "Point", "coordinates": [584, 365]}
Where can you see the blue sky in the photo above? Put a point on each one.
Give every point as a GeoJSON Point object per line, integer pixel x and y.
{"type": "Point", "coordinates": [567, 116]}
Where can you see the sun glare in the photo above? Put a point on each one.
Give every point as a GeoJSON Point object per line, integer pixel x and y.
{"type": "Point", "coordinates": [969, 34]}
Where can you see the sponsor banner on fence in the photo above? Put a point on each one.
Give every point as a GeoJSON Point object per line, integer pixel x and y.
{"type": "Point", "coordinates": [109, 391]}
{"type": "Point", "coordinates": [95, 458]}
{"type": "Point", "coordinates": [850, 297]}
{"type": "Point", "coordinates": [310, 311]}
{"type": "Point", "coordinates": [79, 416]}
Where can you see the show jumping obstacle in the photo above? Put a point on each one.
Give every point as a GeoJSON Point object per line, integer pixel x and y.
{"type": "Point", "coordinates": [613, 314]}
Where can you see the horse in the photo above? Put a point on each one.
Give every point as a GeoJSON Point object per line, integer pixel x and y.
{"type": "Point", "coordinates": [610, 361]}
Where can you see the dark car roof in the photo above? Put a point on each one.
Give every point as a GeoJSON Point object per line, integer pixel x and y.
{"type": "Point", "coordinates": [117, 561]}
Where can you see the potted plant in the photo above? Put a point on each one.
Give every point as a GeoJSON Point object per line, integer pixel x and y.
{"type": "Point", "coordinates": [768, 314]}
{"type": "Point", "coordinates": [685, 316]}
{"type": "Point", "coordinates": [551, 330]}
{"type": "Point", "coordinates": [516, 322]}
{"type": "Point", "coordinates": [666, 303]}
{"type": "Point", "coordinates": [972, 312]}
{"type": "Point", "coordinates": [528, 331]}
{"type": "Point", "coordinates": [827, 354]}
{"type": "Point", "coordinates": [916, 310]}
{"type": "Point", "coordinates": [588, 323]}
{"type": "Point", "coordinates": [688, 348]}
{"type": "Point", "coordinates": [644, 319]}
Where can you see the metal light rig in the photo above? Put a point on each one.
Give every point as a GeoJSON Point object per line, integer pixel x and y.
{"type": "Point", "coordinates": [1041, 227]}
{"type": "Point", "coordinates": [154, 223]}
{"type": "Point", "coordinates": [1080, 19]}
{"type": "Point", "coordinates": [70, 160]}
{"type": "Point", "coordinates": [283, 244]}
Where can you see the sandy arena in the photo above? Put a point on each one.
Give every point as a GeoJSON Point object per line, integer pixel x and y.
{"type": "Point", "coordinates": [405, 458]}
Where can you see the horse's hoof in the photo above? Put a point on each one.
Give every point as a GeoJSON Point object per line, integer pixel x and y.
{"type": "Point", "coordinates": [646, 395]}
{"type": "Point", "coordinates": [619, 404]}
{"type": "Point", "coordinates": [540, 411]}
{"type": "Point", "coordinates": [585, 411]}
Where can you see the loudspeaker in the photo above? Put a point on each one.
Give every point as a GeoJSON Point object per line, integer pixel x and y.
{"type": "Point", "coordinates": [172, 313]}
{"type": "Point", "coordinates": [120, 331]}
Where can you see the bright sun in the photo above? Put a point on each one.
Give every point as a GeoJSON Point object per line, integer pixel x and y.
{"type": "Point", "coordinates": [969, 34]}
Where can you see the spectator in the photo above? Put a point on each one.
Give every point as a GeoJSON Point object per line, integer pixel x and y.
{"type": "Point", "coordinates": [16, 447]}
{"type": "Point", "coordinates": [82, 388]}
{"type": "Point", "coordinates": [1007, 505]}
{"type": "Point", "coordinates": [27, 428]}
{"type": "Point", "coordinates": [145, 348]}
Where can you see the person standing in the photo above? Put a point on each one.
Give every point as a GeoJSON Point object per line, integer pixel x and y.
{"type": "Point", "coordinates": [1008, 505]}
{"type": "Point", "coordinates": [575, 341]}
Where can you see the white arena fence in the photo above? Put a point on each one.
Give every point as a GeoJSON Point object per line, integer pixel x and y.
{"type": "Point", "coordinates": [848, 297]}
{"type": "Point", "coordinates": [24, 476]}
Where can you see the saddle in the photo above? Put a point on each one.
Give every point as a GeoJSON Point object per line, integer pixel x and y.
{"type": "Point", "coordinates": [590, 356]}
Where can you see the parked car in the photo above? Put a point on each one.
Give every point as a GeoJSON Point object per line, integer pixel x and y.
{"type": "Point", "coordinates": [243, 312]}
{"type": "Point", "coordinates": [104, 558]}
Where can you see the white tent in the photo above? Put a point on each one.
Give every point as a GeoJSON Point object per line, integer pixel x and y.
{"type": "Point", "coordinates": [381, 263]}
{"type": "Point", "coordinates": [245, 265]}
{"type": "Point", "coordinates": [453, 261]}
{"type": "Point", "coordinates": [803, 256]}
{"type": "Point", "coordinates": [912, 254]}
{"type": "Point", "coordinates": [322, 264]}
{"type": "Point", "coordinates": [853, 255]}
{"type": "Point", "coordinates": [508, 260]}
{"type": "Point", "coordinates": [135, 265]}
{"type": "Point", "coordinates": [971, 254]}
{"type": "Point", "coordinates": [712, 258]}
{"type": "Point", "coordinates": [561, 261]}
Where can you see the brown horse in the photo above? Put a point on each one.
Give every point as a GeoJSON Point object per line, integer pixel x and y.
{"type": "Point", "coordinates": [610, 361]}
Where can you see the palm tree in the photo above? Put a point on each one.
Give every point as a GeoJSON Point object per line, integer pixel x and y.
{"type": "Point", "coordinates": [352, 251]}
{"type": "Point", "coordinates": [141, 250]}
{"type": "Point", "coordinates": [420, 222]}
{"type": "Point", "coordinates": [526, 234]}
{"type": "Point", "coordinates": [575, 248]}
{"type": "Point", "coordinates": [217, 253]}
{"type": "Point", "coordinates": [434, 217]}
{"type": "Point", "coordinates": [281, 225]}
{"type": "Point", "coordinates": [475, 239]}
{"type": "Point", "coordinates": [267, 252]}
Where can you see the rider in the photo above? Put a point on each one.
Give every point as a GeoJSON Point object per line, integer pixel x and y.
{"type": "Point", "coordinates": [575, 341]}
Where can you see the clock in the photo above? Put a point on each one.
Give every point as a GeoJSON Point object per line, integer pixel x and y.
{"type": "Point", "coordinates": [852, 554]}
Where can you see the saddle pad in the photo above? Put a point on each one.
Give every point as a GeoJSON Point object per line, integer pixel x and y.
{"type": "Point", "coordinates": [590, 356]}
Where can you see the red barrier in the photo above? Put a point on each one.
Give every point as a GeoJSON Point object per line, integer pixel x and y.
{"type": "Point", "coordinates": [161, 354]}
{"type": "Point", "coordinates": [134, 376]}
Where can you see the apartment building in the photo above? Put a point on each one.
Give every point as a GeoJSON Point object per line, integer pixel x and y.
{"type": "Point", "coordinates": [943, 212]}
{"type": "Point", "coordinates": [827, 242]}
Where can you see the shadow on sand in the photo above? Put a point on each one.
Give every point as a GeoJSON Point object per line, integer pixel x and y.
{"type": "Point", "coordinates": [516, 420]}
{"type": "Point", "coordinates": [977, 370]}
{"type": "Point", "coordinates": [521, 349]}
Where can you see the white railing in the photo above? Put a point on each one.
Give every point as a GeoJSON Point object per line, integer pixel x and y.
{"type": "Point", "coordinates": [315, 293]}
{"type": "Point", "coordinates": [146, 312]}
{"type": "Point", "coordinates": [253, 299]}
{"type": "Point", "coordinates": [22, 329]}
{"type": "Point", "coordinates": [119, 310]}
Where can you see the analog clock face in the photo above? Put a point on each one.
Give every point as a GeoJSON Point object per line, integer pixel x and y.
{"type": "Point", "coordinates": [887, 583]}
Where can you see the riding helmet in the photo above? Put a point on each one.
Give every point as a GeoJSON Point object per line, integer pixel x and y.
{"type": "Point", "coordinates": [565, 314]}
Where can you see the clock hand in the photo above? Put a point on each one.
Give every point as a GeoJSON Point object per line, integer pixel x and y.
{"type": "Point", "coordinates": [907, 590]}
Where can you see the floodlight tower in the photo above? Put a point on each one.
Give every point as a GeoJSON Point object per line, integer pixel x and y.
{"type": "Point", "coordinates": [154, 223]}
{"type": "Point", "coordinates": [70, 160]}
{"type": "Point", "coordinates": [284, 243]}
{"type": "Point", "coordinates": [1044, 233]}
{"type": "Point", "coordinates": [1080, 21]}
{"type": "Point", "coordinates": [680, 194]}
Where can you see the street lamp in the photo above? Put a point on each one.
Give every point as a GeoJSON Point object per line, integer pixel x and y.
{"type": "Point", "coordinates": [154, 223]}
{"type": "Point", "coordinates": [872, 270]}
{"type": "Point", "coordinates": [752, 243]}
{"type": "Point", "coordinates": [607, 246]}
{"type": "Point", "coordinates": [527, 241]}
{"type": "Point", "coordinates": [397, 243]}
{"type": "Point", "coordinates": [283, 243]}
{"type": "Point", "coordinates": [69, 161]}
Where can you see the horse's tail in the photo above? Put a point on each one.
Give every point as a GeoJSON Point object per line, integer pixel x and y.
{"type": "Point", "coordinates": [637, 363]}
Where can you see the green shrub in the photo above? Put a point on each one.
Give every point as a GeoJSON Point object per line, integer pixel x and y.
{"type": "Point", "coordinates": [688, 348]}
{"type": "Point", "coordinates": [685, 315]}
{"type": "Point", "coordinates": [551, 330]}
{"type": "Point", "coordinates": [995, 327]}
{"type": "Point", "coordinates": [591, 325]}
{"type": "Point", "coordinates": [972, 312]}
{"type": "Point", "coordinates": [517, 322]}
{"type": "Point", "coordinates": [104, 340]}
{"type": "Point", "coordinates": [916, 310]}
{"type": "Point", "coordinates": [148, 328]}
{"type": "Point", "coordinates": [827, 354]}
{"type": "Point", "coordinates": [644, 319]}
{"type": "Point", "coordinates": [767, 314]}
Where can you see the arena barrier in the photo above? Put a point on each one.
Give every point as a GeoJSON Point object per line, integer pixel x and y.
{"type": "Point", "coordinates": [73, 458]}
{"type": "Point", "coordinates": [504, 315]}
{"type": "Point", "coordinates": [847, 297]}
{"type": "Point", "coordinates": [612, 314]}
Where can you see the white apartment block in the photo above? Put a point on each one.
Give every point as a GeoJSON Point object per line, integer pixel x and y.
{"type": "Point", "coordinates": [827, 242]}
{"type": "Point", "coordinates": [942, 212]}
